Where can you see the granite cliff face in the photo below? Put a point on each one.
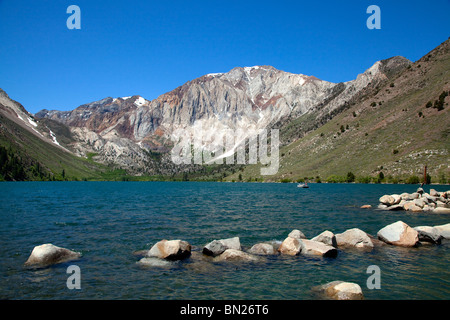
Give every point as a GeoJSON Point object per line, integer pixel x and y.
{"type": "Point", "coordinates": [125, 130]}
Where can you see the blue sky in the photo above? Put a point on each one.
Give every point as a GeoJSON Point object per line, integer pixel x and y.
{"type": "Point", "coordinates": [151, 47]}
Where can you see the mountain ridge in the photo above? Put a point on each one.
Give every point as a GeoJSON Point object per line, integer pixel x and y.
{"type": "Point", "coordinates": [135, 134]}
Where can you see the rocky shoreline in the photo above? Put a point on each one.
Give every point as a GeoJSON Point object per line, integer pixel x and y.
{"type": "Point", "coordinates": [419, 201]}
{"type": "Point", "coordinates": [326, 245]}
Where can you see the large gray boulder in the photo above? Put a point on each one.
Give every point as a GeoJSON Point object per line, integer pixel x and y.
{"type": "Point", "coordinates": [170, 250]}
{"type": "Point", "coordinates": [315, 248]}
{"type": "Point", "coordinates": [354, 238]}
{"type": "Point", "coordinates": [429, 234]}
{"type": "Point", "coordinates": [399, 234]}
{"type": "Point", "coordinates": [326, 237]}
{"type": "Point", "coordinates": [444, 230]}
{"type": "Point", "coordinates": [48, 254]}
{"type": "Point", "coordinates": [217, 247]}
{"type": "Point", "coordinates": [387, 200]}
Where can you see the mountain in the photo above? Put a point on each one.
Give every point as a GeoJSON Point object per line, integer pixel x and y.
{"type": "Point", "coordinates": [392, 129]}
{"type": "Point", "coordinates": [130, 131]}
{"type": "Point", "coordinates": [391, 119]}
{"type": "Point", "coordinates": [29, 149]}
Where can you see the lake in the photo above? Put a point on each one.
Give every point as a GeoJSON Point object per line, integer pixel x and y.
{"type": "Point", "coordinates": [108, 221]}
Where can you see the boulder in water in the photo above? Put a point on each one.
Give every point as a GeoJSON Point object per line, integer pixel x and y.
{"type": "Point", "coordinates": [48, 254]}
{"type": "Point", "coordinates": [170, 250]}
{"type": "Point", "coordinates": [399, 234]}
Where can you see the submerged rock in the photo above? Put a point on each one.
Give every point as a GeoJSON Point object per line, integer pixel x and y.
{"type": "Point", "coordinates": [235, 255]}
{"type": "Point", "coordinates": [154, 262]}
{"type": "Point", "coordinates": [399, 234]}
{"type": "Point", "coordinates": [340, 290]}
{"type": "Point", "coordinates": [170, 250]}
{"type": "Point", "coordinates": [48, 254]}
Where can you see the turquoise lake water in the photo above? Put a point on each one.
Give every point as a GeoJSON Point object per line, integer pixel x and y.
{"type": "Point", "coordinates": [108, 221]}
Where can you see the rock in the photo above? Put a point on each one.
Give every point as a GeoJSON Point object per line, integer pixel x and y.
{"type": "Point", "coordinates": [316, 248]}
{"type": "Point", "coordinates": [231, 243]}
{"type": "Point", "coordinates": [399, 234]}
{"type": "Point", "coordinates": [382, 206]}
{"type": "Point", "coordinates": [326, 237]}
{"type": "Point", "coordinates": [214, 248]}
{"type": "Point", "coordinates": [297, 234]}
{"type": "Point", "coordinates": [428, 198]}
{"type": "Point", "coordinates": [429, 234]}
{"type": "Point", "coordinates": [441, 204]}
{"type": "Point", "coordinates": [217, 247]}
{"type": "Point", "coordinates": [441, 210]}
{"type": "Point", "coordinates": [154, 262]}
{"type": "Point", "coordinates": [291, 246]}
{"type": "Point", "coordinates": [387, 200]}
{"type": "Point", "coordinates": [395, 207]}
{"type": "Point", "coordinates": [170, 250]}
{"type": "Point", "coordinates": [410, 206]}
{"type": "Point", "coordinates": [366, 206]}
{"type": "Point", "coordinates": [415, 195]}
{"type": "Point", "coordinates": [406, 196]}
{"type": "Point", "coordinates": [48, 254]}
{"type": "Point", "coordinates": [434, 193]}
{"type": "Point", "coordinates": [397, 198]}
{"type": "Point", "coordinates": [419, 191]}
{"type": "Point", "coordinates": [263, 249]}
{"type": "Point", "coordinates": [339, 290]}
{"type": "Point", "coordinates": [444, 230]}
{"type": "Point", "coordinates": [235, 255]}
{"type": "Point", "coordinates": [419, 202]}
{"type": "Point", "coordinates": [354, 238]}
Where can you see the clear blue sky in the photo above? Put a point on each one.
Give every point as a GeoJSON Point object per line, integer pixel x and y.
{"type": "Point", "coordinates": [151, 47]}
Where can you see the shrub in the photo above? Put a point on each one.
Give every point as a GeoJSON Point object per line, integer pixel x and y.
{"type": "Point", "coordinates": [412, 180]}
{"type": "Point", "coordinates": [336, 179]}
{"type": "Point", "coordinates": [350, 177]}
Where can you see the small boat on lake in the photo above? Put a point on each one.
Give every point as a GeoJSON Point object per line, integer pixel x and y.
{"type": "Point", "coordinates": [303, 185]}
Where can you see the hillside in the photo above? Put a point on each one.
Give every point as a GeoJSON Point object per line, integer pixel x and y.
{"type": "Point", "coordinates": [28, 152]}
{"type": "Point", "coordinates": [397, 130]}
